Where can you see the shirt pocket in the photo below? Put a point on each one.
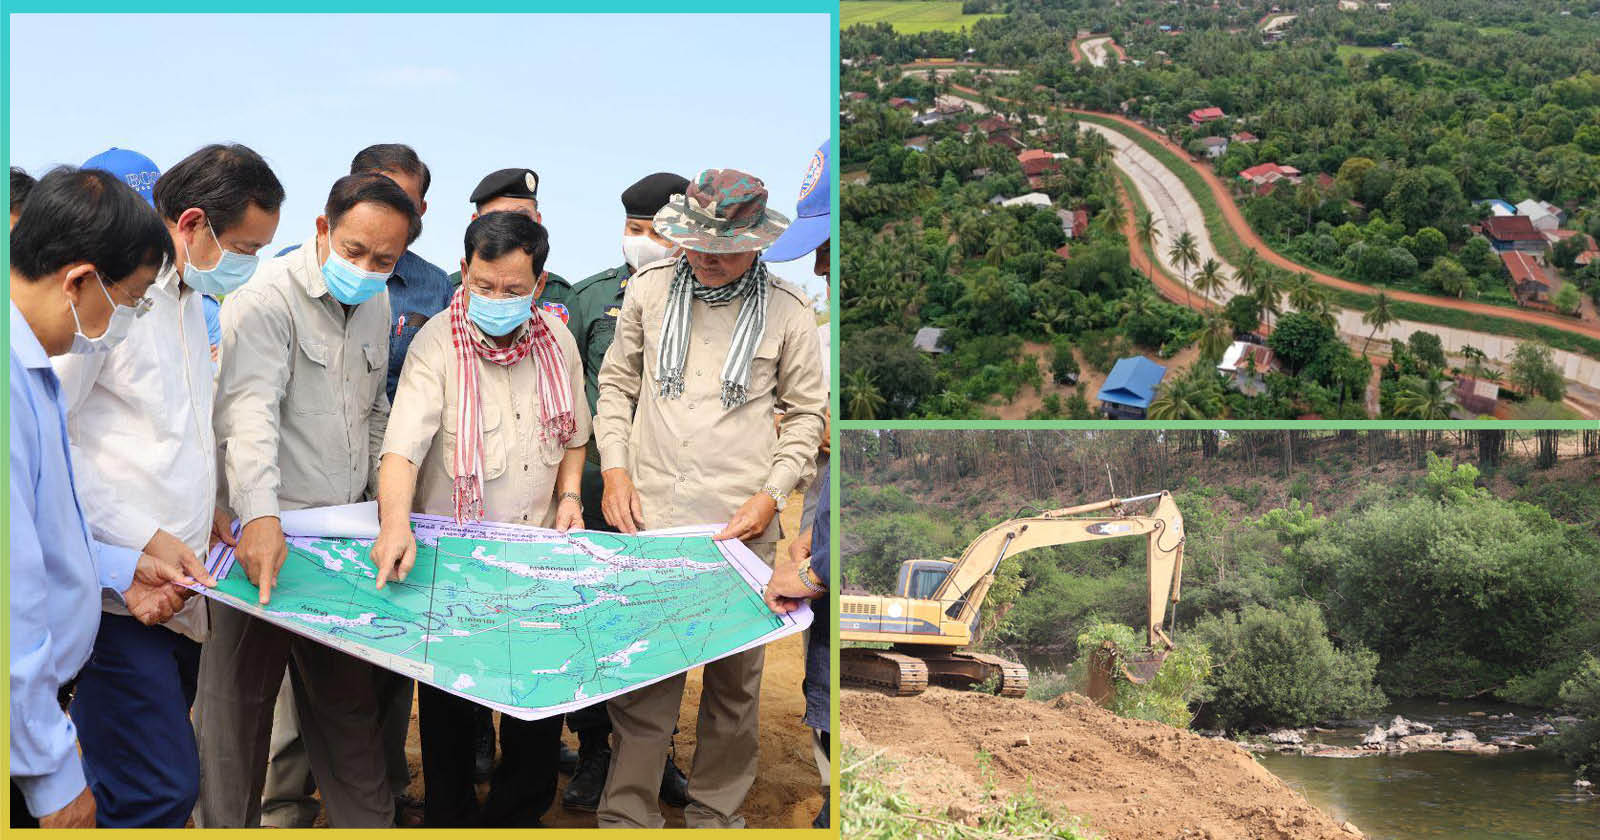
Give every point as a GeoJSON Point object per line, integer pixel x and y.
{"type": "Point", "coordinates": [494, 443]}
{"type": "Point", "coordinates": [377, 363]}
{"type": "Point", "coordinates": [764, 367]}
{"type": "Point", "coordinates": [313, 388]}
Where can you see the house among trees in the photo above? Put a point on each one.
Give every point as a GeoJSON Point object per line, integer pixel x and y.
{"type": "Point", "coordinates": [1513, 233]}
{"type": "Point", "coordinates": [1477, 396]}
{"type": "Point", "coordinates": [1074, 223]}
{"type": "Point", "coordinates": [1270, 173]}
{"type": "Point", "coordinates": [902, 103]}
{"type": "Point", "coordinates": [1036, 164]}
{"type": "Point", "coordinates": [930, 340]}
{"type": "Point", "coordinates": [1130, 387]}
{"type": "Point", "coordinates": [1201, 116]}
{"type": "Point", "coordinates": [1497, 206]}
{"type": "Point", "coordinates": [1245, 138]}
{"type": "Point", "coordinates": [1543, 214]}
{"type": "Point", "coordinates": [1586, 255]}
{"type": "Point", "coordinates": [1529, 282]}
{"type": "Point", "coordinates": [1033, 199]}
{"type": "Point", "coordinates": [854, 95]}
{"type": "Point", "coordinates": [1248, 365]}
{"type": "Point", "coordinates": [1215, 146]}
{"type": "Point", "coordinates": [918, 143]}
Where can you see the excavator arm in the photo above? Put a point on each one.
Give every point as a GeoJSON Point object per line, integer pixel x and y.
{"type": "Point", "coordinates": [974, 571]}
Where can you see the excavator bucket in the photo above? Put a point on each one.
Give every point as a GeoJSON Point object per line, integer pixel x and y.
{"type": "Point", "coordinates": [1137, 667]}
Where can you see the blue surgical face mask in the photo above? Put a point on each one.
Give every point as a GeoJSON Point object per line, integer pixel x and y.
{"type": "Point", "coordinates": [498, 316]}
{"type": "Point", "coordinates": [346, 281]}
{"type": "Point", "coordinates": [230, 272]}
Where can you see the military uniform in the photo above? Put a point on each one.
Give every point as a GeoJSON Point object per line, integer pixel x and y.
{"type": "Point", "coordinates": [597, 304]}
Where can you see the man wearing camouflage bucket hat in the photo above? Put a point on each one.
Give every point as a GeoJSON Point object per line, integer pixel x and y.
{"type": "Point", "coordinates": [708, 347]}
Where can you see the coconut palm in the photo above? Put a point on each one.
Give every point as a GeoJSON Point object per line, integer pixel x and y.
{"type": "Point", "coordinates": [1269, 294]}
{"type": "Point", "coordinates": [1145, 228]}
{"type": "Point", "coordinates": [1379, 316]}
{"type": "Point", "coordinates": [1184, 253]}
{"type": "Point", "coordinates": [1424, 398]}
{"type": "Point", "coordinates": [1188, 397]}
{"type": "Point", "coordinates": [1214, 335]}
{"type": "Point", "coordinates": [1209, 282]}
{"type": "Point", "coordinates": [861, 398]}
{"type": "Point", "coordinates": [1248, 271]}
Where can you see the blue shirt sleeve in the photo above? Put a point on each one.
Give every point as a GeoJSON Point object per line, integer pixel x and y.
{"type": "Point", "coordinates": [821, 527]}
{"type": "Point", "coordinates": [44, 753]}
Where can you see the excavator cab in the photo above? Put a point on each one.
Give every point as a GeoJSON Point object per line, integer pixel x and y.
{"type": "Point", "coordinates": [919, 578]}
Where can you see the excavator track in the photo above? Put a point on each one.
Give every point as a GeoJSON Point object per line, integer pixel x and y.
{"type": "Point", "coordinates": [901, 674]}
{"type": "Point", "coordinates": [964, 669]}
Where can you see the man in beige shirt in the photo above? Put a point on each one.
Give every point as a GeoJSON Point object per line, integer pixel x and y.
{"type": "Point", "coordinates": [299, 419]}
{"type": "Point", "coordinates": [708, 346]}
{"type": "Point", "coordinates": [489, 424]}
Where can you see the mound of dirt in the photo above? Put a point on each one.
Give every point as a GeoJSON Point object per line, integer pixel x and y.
{"type": "Point", "coordinates": [1127, 779]}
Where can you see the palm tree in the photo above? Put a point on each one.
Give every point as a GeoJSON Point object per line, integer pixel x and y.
{"type": "Point", "coordinates": [1424, 398]}
{"type": "Point", "coordinates": [1184, 252]}
{"type": "Point", "coordinates": [1209, 282]}
{"type": "Point", "coordinates": [861, 398]}
{"type": "Point", "coordinates": [1378, 317]}
{"type": "Point", "coordinates": [1303, 293]}
{"type": "Point", "coordinates": [1187, 397]}
{"type": "Point", "coordinates": [1145, 227]}
{"type": "Point", "coordinates": [1269, 294]}
{"type": "Point", "coordinates": [1214, 335]}
{"type": "Point", "coordinates": [1248, 272]}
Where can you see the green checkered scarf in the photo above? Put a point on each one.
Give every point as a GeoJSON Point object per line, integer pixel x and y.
{"type": "Point", "coordinates": [747, 331]}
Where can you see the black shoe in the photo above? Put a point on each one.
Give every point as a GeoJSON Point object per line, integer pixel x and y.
{"type": "Point", "coordinates": [588, 781]}
{"type": "Point", "coordinates": [483, 755]}
{"type": "Point", "coordinates": [674, 787]}
{"type": "Point", "coordinates": [822, 816]}
{"type": "Point", "coordinates": [568, 763]}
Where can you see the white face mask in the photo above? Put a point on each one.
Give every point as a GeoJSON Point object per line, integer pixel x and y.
{"type": "Point", "coordinates": [116, 328]}
{"type": "Point", "coordinates": [642, 250]}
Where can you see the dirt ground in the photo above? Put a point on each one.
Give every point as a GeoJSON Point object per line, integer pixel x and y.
{"type": "Point", "coordinates": [1127, 779]}
{"type": "Point", "coordinates": [787, 790]}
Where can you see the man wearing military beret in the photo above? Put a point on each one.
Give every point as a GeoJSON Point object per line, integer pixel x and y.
{"type": "Point", "coordinates": [517, 190]}
{"type": "Point", "coordinates": [597, 304]}
{"type": "Point", "coordinates": [708, 347]}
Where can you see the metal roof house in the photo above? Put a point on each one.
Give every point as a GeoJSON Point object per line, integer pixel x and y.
{"type": "Point", "coordinates": [1130, 387]}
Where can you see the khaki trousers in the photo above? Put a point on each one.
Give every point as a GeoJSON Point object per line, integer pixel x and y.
{"type": "Point", "coordinates": [241, 669]}
{"type": "Point", "coordinates": [726, 741]}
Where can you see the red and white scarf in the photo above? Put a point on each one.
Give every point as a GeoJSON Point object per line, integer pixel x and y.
{"type": "Point", "coordinates": [555, 396]}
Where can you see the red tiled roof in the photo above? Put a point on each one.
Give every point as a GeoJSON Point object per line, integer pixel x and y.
{"type": "Point", "coordinates": [1244, 137]}
{"type": "Point", "coordinates": [1512, 228]}
{"type": "Point", "coordinates": [1032, 154]}
{"type": "Point", "coordinates": [993, 124]}
{"type": "Point", "coordinates": [1064, 252]}
{"type": "Point", "coordinates": [1200, 115]}
{"type": "Point", "coordinates": [1523, 268]}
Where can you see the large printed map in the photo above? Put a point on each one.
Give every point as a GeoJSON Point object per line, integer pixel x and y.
{"type": "Point", "coordinates": [525, 620]}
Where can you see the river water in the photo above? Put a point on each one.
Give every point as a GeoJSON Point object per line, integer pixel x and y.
{"type": "Point", "coordinates": [1521, 794]}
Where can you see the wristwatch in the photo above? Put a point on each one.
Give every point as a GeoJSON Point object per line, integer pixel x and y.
{"type": "Point", "coordinates": [570, 495]}
{"type": "Point", "coordinates": [779, 499]}
{"type": "Point", "coordinates": [809, 579]}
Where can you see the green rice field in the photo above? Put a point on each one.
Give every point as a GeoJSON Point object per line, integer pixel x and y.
{"type": "Point", "coordinates": [908, 16]}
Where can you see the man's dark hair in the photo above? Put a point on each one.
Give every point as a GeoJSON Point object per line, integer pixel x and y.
{"type": "Point", "coordinates": [392, 157]}
{"type": "Point", "coordinates": [223, 180]}
{"type": "Point", "coordinates": [351, 190]}
{"type": "Point", "coordinates": [494, 235]}
{"type": "Point", "coordinates": [21, 184]}
{"type": "Point", "coordinates": [87, 215]}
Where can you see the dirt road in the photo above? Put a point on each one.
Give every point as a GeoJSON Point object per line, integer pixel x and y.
{"type": "Point", "coordinates": [1127, 779]}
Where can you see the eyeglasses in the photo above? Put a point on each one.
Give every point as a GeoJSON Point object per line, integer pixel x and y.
{"type": "Point", "coordinates": [139, 305]}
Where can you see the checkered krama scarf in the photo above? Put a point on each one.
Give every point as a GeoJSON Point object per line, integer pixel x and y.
{"type": "Point", "coordinates": [747, 330]}
{"type": "Point", "coordinates": [555, 396]}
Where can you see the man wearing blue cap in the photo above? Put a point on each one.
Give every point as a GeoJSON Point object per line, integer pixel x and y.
{"type": "Point", "coordinates": [806, 573]}
{"type": "Point", "coordinates": [153, 484]}
{"type": "Point", "coordinates": [134, 169]}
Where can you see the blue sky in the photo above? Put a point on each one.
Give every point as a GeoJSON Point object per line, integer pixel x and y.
{"type": "Point", "coordinates": [590, 102]}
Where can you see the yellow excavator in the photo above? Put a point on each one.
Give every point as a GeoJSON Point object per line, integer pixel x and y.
{"type": "Point", "coordinates": [934, 610]}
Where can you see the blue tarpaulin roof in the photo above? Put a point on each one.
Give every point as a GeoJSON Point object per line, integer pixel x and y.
{"type": "Point", "coordinates": [1132, 382]}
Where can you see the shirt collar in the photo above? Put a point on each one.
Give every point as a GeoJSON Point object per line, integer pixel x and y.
{"type": "Point", "coordinates": [311, 271]}
{"type": "Point", "coordinates": [627, 274]}
{"type": "Point", "coordinates": [168, 280]}
{"type": "Point", "coordinates": [403, 268]}
{"type": "Point", "coordinates": [24, 344]}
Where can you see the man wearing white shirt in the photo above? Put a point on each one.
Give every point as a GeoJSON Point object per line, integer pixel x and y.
{"type": "Point", "coordinates": [140, 427]}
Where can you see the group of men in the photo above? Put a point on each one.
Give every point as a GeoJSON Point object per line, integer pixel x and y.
{"type": "Point", "coordinates": [686, 385]}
